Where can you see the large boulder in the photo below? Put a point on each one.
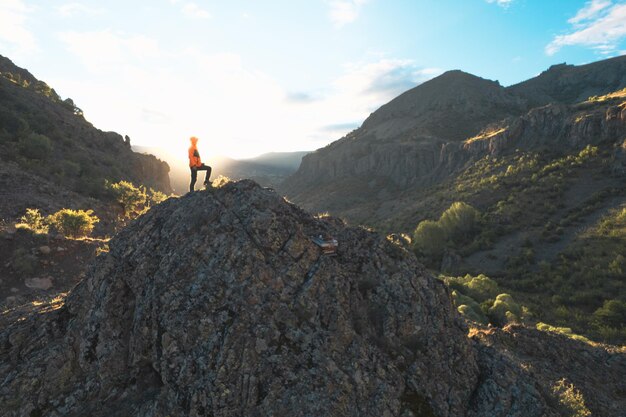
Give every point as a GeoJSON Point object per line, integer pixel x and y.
{"type": "Point", "coordinates": [219, 304]}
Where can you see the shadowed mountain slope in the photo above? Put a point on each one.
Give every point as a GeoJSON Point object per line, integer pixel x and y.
{"type": "Point", "coordinates": [47, 138]}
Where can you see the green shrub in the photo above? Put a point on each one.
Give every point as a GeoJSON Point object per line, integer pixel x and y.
{"type": "Point", "coordinates": [459, 220]}
{"type": "Point", "coordinates": [155, 197]}
{"type": "Point", "coordinates": [73, 223]}
{"type": "Point", "coordinates": [34, 221]}
{"type": "Point", "coordinates": [132, 199]}
{"type": "Point", "coordinates": [454, 226]}
{"type": "Point", "coordinates": [504, 310]}
{"type": "Point", "coordinates": [566, 331]}
{"type": "Point", "coordinates": [35, 146]}
{"type": "Point", "coordinates": [612, 314]}
{"type": "Point", "coordinates": [429, 238]}
{"type": "Point", "coordinates": [469, 308]}
{"type": "Point", "coordinates": [479, 288]}
{"type": "Point", "coordinates": [571, 399]}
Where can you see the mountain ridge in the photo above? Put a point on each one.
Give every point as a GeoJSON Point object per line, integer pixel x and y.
{"type": "Point", "coordinates": [402, 152]}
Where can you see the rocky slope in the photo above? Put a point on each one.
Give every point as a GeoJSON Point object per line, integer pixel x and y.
{"type": "Point", "coordinates": [421, 138]}
{"type": "Point", "coordinates": [47, 137]}
{"type": "Point", "coordinates": [219, 304]}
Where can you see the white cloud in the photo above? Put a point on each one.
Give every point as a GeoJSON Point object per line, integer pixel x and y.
{"type": "Point", "coordinates": [343, 12]}
{"type": "Point", "coordinates": [598, 25]}
{"type": "Point", "coordinates": [16, 39]}
{"type": "Point", "coordinates": [74, 9]}
{"type": "Point", "coordinates": [192, 10]}
{"type": "Point", "coordinates": [590, 11]}
{"type": "Point", "coordinates": [502, 3]}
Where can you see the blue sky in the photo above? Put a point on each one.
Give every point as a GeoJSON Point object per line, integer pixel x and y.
{"type": "Point", "coordinates": [254, 76]}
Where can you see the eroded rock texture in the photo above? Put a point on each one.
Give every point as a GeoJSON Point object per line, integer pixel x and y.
{"type": "Point", "coordinates": [219, 304]}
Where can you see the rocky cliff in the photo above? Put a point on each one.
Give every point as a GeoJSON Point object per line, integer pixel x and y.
{"type": "Point", "coordinates": [219, 304]}
{"type": "Point", "coordinates": [432, 132]}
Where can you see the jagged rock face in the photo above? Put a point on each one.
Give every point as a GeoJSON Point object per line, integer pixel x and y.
{"type": "Point", "coordinates": [421, 137]}
{"type": "Point", "coordinates": [219, 304]}
{"type": "Point", "coordinates": [595, 371]}
{"type": "Point", "coordinates": [555, 126]}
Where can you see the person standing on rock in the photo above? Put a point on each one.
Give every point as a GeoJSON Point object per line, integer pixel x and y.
{"type": "Point", "coordinates": [195, 164]}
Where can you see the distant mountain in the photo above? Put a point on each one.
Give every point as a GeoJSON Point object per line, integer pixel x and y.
{"type": "Point", "coordinates": [417, 139]}
{"type": "Point", "coordinates": [52, 157]}
{"type": "Point", "coordinates": [288, 160]}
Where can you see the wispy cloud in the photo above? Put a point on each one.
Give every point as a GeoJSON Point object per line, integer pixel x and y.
{"type": "Point", "coordinates": [15, 38]}
{"type": "Point", "coordinates": [76, 9]}
{"type": "Point", "coordinates": [502, 3]}
{"type": "Point", "coordinates": [343, 12]}
{"type": "Point", "coordinates": [591, 11]}
{"type": "Point", "coordinates": [384, 79]}
{"type": "Point", "coordinates": [192, 10]}
{"type": "Point", "coordinates": [600, 25]}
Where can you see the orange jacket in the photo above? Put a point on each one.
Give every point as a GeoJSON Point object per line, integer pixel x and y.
{"type": "Point", "coordinates": [194, 157]}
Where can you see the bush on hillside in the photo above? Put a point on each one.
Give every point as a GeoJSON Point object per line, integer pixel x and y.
{"type": "Point", "coordinates": [34, 221]}
{"type": "Point", "coordinates": [429, 238]}
{"type": "Point", "coordinates": [459, 220]}
{"type": "Point", "coordinates": [73, 223]}
{"type": "Point", "coordinates": [35, 146]}
{"type": "Point", "coordinates": [131, 198]}
{"type": "Point", "coordinates": [611, 314]}
{"type": "Point", "coordinates": [135, 200]}
{"type": "Point", "coordinates": [571, 399]}
{"type": "Point", "coordinates": [479, 288]}
{"type": "Point", "coordinates": [155, 197]}
{"type": "Point", "coordinates": [456, 225]}
{"type": "Point", "coordinates": [469, 308]}
{"type": "Point", "coordinates": [505, 310]}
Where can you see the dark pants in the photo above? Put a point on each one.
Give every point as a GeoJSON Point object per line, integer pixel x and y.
{"type": "Point", "coordinates": [194, 175]}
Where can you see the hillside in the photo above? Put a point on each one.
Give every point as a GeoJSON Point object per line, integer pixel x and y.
{"type": "Point", "coordinates": [51, 158]}
{"type": "Point", "coordinates": [218, 303]}
{"type": "Point", "coordinates": [48, 139]}
{"type": "Point", "coordinates": [548, 184]}
{"type": "Point", "coordinates": [413, 141]}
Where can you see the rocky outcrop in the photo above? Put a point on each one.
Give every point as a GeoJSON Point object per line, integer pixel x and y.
{"type": "Point", "coordinates": [595, 371]}
{"type": "Point", "coordinates": [553, 126]}
{"type": "Point", "coordinates": [219, 304]}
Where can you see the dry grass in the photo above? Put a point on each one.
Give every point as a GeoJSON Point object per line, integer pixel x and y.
{"type": "Point", "coordinates": [485, 135]}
